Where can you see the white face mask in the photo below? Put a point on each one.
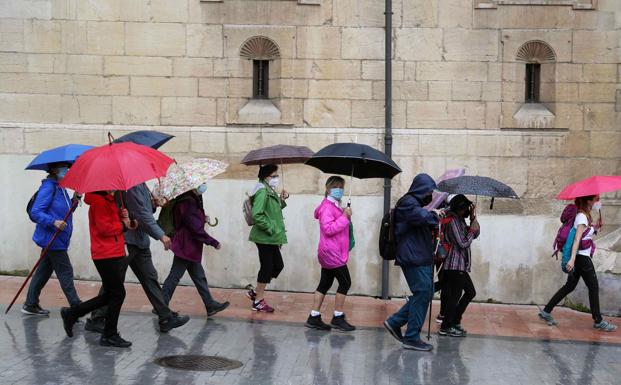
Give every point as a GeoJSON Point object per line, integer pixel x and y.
{"type": "Point", "coordinates": [597, 206]}
{"type": "Point", "coordinates": [274, 182]}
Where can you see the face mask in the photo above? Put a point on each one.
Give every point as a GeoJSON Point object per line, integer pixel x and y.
{"type": "Point", "coordinates": [61, 172]}
{"type": "Point", "coordinates": [337, 193]}
{"type": "Point", "coordinates": [597, 206]}
{"type": "Point", "coordinates": [201, 189]}
{"type": "Point", "coordinates": [426, 200]}
{"type": "Point", "coordinates": [274, 182]}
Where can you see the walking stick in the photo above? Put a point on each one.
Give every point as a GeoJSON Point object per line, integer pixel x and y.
{"type": "Point", "coordinates": [43, 254]}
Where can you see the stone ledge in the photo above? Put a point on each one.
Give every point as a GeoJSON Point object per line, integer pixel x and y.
{"type": "Point", "coordinates": [575, 4]}
{"type": "Point", "coordinates": [259, 111]}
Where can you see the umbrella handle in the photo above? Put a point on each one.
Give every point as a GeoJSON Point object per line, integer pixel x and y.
{"type": "Point", "coordinates": [110, 138]}
{"type": "Point", "coordinates": [491, 205]}
{"type": "Point", "coordinates": [215, 223]}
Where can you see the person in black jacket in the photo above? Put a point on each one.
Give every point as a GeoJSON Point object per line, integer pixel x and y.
{"type": "Point", "coordinates": [413, 232]}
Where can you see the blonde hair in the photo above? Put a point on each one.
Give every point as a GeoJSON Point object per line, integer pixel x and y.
{"type": "Point", "coordinates": [332, 182]}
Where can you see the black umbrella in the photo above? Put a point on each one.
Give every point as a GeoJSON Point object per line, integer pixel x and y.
{"type": "Point", "coordinates": [477, 185]}
{"type": "Point", "coordinates": [153, 139]}
{"type": "Point", "coordinates": [278, 154]}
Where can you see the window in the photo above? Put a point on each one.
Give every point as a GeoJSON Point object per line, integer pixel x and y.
{"type": "Point", "coordinates": [533, 80]}
{"type": "Point", "coordinates": [261, 79]}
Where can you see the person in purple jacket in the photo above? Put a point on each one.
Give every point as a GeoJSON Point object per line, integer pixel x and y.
{"type": "Point", "coordinates": [189, 220]}
{"type": "Point", "coordinates": [333, 253]}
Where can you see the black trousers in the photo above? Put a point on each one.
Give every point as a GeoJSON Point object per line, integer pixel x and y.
{"type": "Point", "coordinates": [327, 279]}
{"type": "Point", "coordinates": [112, 273]}
{"type": "Point", "coordinates": [271, 262]}
{"type": "Point", "coordinates": [583, 269]}
{"type": "Point", "coordinates": [438, 286]}
{"type": "Point", "coordinates": [459, 292]}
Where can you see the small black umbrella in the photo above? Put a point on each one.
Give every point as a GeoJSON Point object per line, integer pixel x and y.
{"type": "Point", "coordinates": [477, 185]}
{"type": "Point", "coordinates": [153, 139]}
{"type": "Point", "coordinates": [278, 154]}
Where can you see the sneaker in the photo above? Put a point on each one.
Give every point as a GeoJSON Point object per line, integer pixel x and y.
{"type": "Point", "coordinates": [95, 325]}
{"type": "Point", "coordinates": [251, 293]}
{"type": "Point", "coordinates": [439, 319]}
{"type": "Point", "coordinates": [316, 323]}
{"type": "Point", "coordinates": [547, 317]}
{"type": "Point", "coordinates": [461, 329]}
{"type": "Point", "coordinates": [262, 306]}
{"type": "Point", "coordinates": [34, 310]}
{"type": "Point", "coordinates": [114, 340]}
{"type": "Point", "coordinates": [339, 322]}
{"type": "Point", "coordinates": [68, 320]}
{"type": "Point", "coordinates": [174, 321]}
{"type": "Point", "coordinates": [418, 345]}
{"type": "Point", "coordinates": [216, 307]}
{"type": "Point", "coordinates": [605, 326]}
{"type": "Point", "coordinates": [451, 332]}
{"type": "Point", "coordinates": [394, 331]}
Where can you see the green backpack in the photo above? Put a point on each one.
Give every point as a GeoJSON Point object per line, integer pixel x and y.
{"type": "Point", "coordinates": [166, 218]}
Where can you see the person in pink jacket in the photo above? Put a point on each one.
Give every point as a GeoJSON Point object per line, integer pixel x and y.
{"type": "Point", "coordinates": [333, 253]}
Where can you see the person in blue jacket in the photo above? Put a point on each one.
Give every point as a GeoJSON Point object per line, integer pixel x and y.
{"type": "Point", "coordinates": [48, 211]}
{"type": "Point", "coordinates": [413, 232]}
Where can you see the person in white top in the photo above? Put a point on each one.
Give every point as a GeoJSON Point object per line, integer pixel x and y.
{"type": "Point", "coordinates": [581, 265]}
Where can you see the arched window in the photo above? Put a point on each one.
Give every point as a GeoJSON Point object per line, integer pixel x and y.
{"type": "Point", "coordinates": [534, 53]}
{"type": "Point", "coordinates": [261, 50]}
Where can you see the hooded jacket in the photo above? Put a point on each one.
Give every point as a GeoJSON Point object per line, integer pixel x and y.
{"type": "Point", "coordinates": [413, 225]}
{"type": "Point", "coordinates": [190, 235]}
{"type": "Point", "coordinates": [52, 204]}
{"type": "Point", "coordinates": [105, 226]}
{"type": "Point", "coordinates": [333, 250]}
{"type": "Point", "coordinates": [269, 224]}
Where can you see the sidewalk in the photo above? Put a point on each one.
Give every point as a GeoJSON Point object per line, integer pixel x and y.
{"type": "Point", "coordinates": [480, 319]}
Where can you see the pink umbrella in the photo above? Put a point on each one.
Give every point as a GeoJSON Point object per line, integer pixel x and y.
{"type": "Point", "coordinates": [594, 185]}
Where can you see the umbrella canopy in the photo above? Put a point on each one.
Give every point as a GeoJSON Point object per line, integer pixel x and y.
{"type": "Point", "coordinates": [186, 177]}
{"type": "Point", "coordinates": [477, 185]}
{"type": "Point", "coordinates": [279, 154]}
{"type": "Point", "coordinates": [594, 185]}
{"type": "Point", "coordinates": [357, 160]}
{"type": "Point", "coordinates": [63, 154]}
{"type": "Point", "coordinates": [115, 166]}
{"type": "Point", "coordinates": [153, 139]}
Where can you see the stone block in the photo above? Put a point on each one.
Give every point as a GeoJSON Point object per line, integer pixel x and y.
{"type": "Point", "coordinates": [136, 110]}
{"type": "Point", "coordinates": [11, 35]}
{"type": "Point", "coordinates": [109, 10]}
{"type": "Point", "coordinates": [456, 71]}
{"type": "Point", "coordinates": [419, 44]}
{"type": "Point", "coordinates": [319, 43]}
{"type": "Point", "coordinates": [293, 88]}
{"type": "Point", "coordinates": [97, 85]}
{"type": "Point", "coordinates": [86, 109]}
{"type": "Point", "coordinates": [28, 83]}
{"type": "Point", "coordinates": [105, 38]}
{"type": "Point", "coordinates": [242, 88]}
{"type": "Point", "coordinates": [292, 111]}
{"type": "Point", "coordinates": [363, 43]}
{"type": "Point", "coordinates": [74, 35]}
{"type": "Point", "coordinates": [11, 140]}
{"type": "Point", "coordinates": [136, 10]}
{"type": "Point", "coordinates": [596, 46]}
{"type": "Point", "coordinates": [284, 37]}
{"type": "Point", "coordinates": [494, 72]}
{"type": "Point", "coordinates": [367, 113]}
{"type": "Point", "coordinates": [26, 9]}
{"type": "Point", "coordinates": [568, 72]}
{"type": "Point", "coordinates": [471, 45]}
{"type": "Point", "coordinates": [439, 91]}
{"type": "Point", "coordinates": [181, 144]}
{"type": "Point", "coordinates": [363, 13]}
{"type": "Point", "coordinates": [493, 114]}
{"type": "Point", "coordinates": [466, 91]}
{"type": "Point", "coordinates": [576, 144]}
{"type": "Point", "coordinates": [601, 117]}
{"type": "Point", "coordinates": [212, 87]}
{"type": "Point", "coordinates": [207, 142]}
{"type": "Point", "coordinates": [40, 139]}
{"type": "Point", "coordinates": [64, 9]}
{"type": "Point", "coordinates": [137, 65]}
{"type": "Point", "coordinates": [42, 36]}
{"type": "Point", "coordinates": [473, 111]}
{"type": "Point", "coordinates": [84, 64]}
{"type": "Point", "coordinates": [508, 145]}
{"type": "Point", "coordinates": [232, 68]}
{"type": "Point", "coordinates": [559, 40]}
{"type": "Point", "coordinates": [340, 89]}
{"type": "Point", "coordinates": [432, 114]}
{"type": "Point", "coordinates": [491, 91]}
{"type": "Point", "coordinates": [327, 113]}
{"type": "Point", "coordinates": [192, 67]}
{"type": "Point", "coordinates": [543, 145]}
{"type": "Point", "coordinates": [599, 73]}
{"type": "Point", "coordinates": [597, 92]}
{"type": "Point", "coordinates": [442, 144]}
{"type": "Point", "coordinates": [204, 40]}
{"type": "Point", "coordinates": [13, 62]}
{"type": "Point", "coordinates": [569, 115]}
{"type": "Point", "coordinates": [155, 39]}
{"type": "Point", "coordinates": [565, 92]}
{"type": "Point", "coordinates": [333, 69]}
{"type": "Point", "coordinates": [47, 63]}
{"type": "Point", "coordinates": [402, 90]}
{"type": "Point", "coordinates": [455, 14]}
{"type": "Point", "coordinates": [163, 86]}
{"type": "Point", "coordinates": [420, 13]}
{"type": "Point", "coordinates": [375, 70]}
{"type": "Point", "coordinates": [188, 111]}
{"type": "Point", "coordinates": [165, 11]}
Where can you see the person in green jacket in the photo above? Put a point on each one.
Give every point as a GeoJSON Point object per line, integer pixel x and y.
{"type": "Point", "coordinates": [268, 232]}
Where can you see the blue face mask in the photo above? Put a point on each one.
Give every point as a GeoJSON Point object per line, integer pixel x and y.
{"type": "Point", "coordinates": [337, 193]}
{"type": "Point", "coordinates": [201, 189]}
{"type": "Point", "coordinates": [61, 172]}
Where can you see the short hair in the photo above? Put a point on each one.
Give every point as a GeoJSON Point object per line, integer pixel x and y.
{"type": "Point", "coordinates": [333, 181]}
{"type": "Point", "coordinates": [267, 170]}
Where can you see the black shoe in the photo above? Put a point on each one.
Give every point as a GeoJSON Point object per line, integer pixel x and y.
{"type": "Point", "coordinates": [95, 325]}
{"type": "Point", "coordinates": [34, 310]}
{"type": "Point", "coordinates": [68, 320]}
{"type": "Point", "coordinates": [394, 331]}
{"type": "Point", "coordinates": [316, 323]}
{"type": "Point", "coordinates": [174, 321]}
{"type": "Point", "coordinates": [216, 307]}
{"type": "Point", "coordinates": [340, 323]}
{"type": "Point", "coordinates": [451, 332]}
{"type": "Point", "coordinates": [114, 340]}
{"type": "Point", "coordinates": [461, 329]}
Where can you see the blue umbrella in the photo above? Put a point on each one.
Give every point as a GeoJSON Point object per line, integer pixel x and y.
{"type": "Point", "coordinates": [153, 139]}
{"type": "Point", "coordinates": [63, 154]}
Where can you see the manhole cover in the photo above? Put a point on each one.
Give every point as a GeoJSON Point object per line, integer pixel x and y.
{"type": "Point", "coordinates": [198, 362]}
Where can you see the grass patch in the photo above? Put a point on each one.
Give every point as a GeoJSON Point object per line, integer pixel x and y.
{"type": "Point", "coordinates": [576, 306]}
{"type": "Point", "coordinates": [15, 273]}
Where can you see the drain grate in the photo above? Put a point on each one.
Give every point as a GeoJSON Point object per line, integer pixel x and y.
{"type": "Point", "coordinates": [198, 362]}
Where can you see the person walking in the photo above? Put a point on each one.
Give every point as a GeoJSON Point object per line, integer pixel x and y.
{"type": "Point", "coordinates": [457, 264]}
{"type": "Point", "coordinates": [187, 244]}
{"type": "Point", "coordinates": [413, 231]}
{"type": "Point", "coordinates": [580, 264]}
{"type": "Point", "coordinates": [140, 207]}
{"type": "Point", "coordinates": [333, 254]}
{"type": "Point", "coordinates": [106, 227]}
{"type": "Point", "coordinates": [48, 211]}
{"type": "Point", "coordinates": [268, 232]}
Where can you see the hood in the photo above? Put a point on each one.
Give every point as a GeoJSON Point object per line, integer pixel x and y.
{"type": "Point", "coordinates": [421, 186]}
{"type": "Point", "coordinates": [257, 187]}
{"type": "Point", "coordinates": [91, 198]}
{"type": "Point", "coordinates": [50, 180]}
{"type": "Point", "coordinates": [321, 207]}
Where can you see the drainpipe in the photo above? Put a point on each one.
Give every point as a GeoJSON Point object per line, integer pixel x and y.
{"type": "Point", "coordinates": [388, 132]}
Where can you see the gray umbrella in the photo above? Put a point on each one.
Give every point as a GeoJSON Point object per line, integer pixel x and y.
{"type": "Point", "coordinates": [279, 154]}
{"type": "Point", "coordinates": [477, 185]}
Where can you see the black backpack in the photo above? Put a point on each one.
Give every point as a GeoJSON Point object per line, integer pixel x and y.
{"type": "Point", "coordinates": [32, 201]}
{"type": "Point", "coordinates": [387, 238]}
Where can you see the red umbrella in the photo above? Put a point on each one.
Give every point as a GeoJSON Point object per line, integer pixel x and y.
{"type": "Point", "coordinates": [594, 185]}
{"type": "Point", "coordinates": [116, 166]}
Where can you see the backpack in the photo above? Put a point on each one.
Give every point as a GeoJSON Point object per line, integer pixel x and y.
{"type": "Point", "coordinates": [387, 237]}
{"type": "Point", "coordinates": [32, 201]}
{"type": "Point", "coordinates": [441, 246]}
{"type": "Point", "coordinates": [567, 223]}
{"type": "Point", "coordinates": [567, 249]}
{"type": "Point", "coordinates": [247, 210]}
{"type": "Point", "coordinates": [166, 218]}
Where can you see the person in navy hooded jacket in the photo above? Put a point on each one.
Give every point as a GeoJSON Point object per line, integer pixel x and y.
{"type": "Point", "coordinates": [413, 232]}
{"type": "Point", "coordinates": [48, 211]}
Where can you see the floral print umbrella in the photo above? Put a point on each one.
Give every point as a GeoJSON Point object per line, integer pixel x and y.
{"type": "Point", "coordinates": [184, 177]}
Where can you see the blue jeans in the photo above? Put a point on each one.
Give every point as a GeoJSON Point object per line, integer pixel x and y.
{"type": "Point", "coordinates": [420, 281]}
{"type": "Point", "coordinates": [56, 261]}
